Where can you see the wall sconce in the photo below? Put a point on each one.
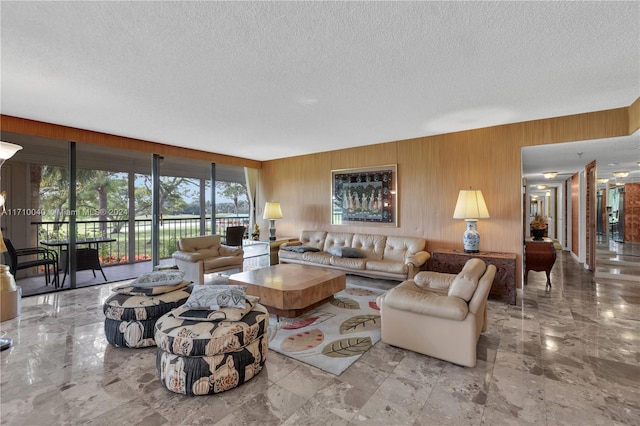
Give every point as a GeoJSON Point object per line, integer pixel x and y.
{"type": "Point", "coordinates": [471, 207]}
{"type": "Point", "coordinates": [620, 175]}
{"type": "Point", "coordinates": [549, 175]}
{"type": "Point", "coordinates": [272, 211]}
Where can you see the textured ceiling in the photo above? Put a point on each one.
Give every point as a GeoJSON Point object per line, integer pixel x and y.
{"type": "Point", "coordinates": [266, 80]}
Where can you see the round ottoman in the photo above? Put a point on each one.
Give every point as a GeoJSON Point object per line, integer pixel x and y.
{"type": "Point", "coordinates": [201, 354]}
{"type": "Point", "coordinates": [131, 313]}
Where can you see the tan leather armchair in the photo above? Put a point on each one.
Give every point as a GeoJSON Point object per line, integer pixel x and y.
{"type": "Point", "coordinates": [437, 314]}
{"type": "Point", "coordinates": [197, 256]}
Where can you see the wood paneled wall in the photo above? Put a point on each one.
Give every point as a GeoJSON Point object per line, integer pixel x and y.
{"type": "Point", "coordinates": [55, 131]}
{"type": "Point", "coordinates": [431, 171]}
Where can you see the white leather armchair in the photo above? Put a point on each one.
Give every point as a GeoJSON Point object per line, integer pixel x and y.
{"type": "Point", "coordinates": [197, 256]}
{"type": "Point", "coordinates": [437, 314]}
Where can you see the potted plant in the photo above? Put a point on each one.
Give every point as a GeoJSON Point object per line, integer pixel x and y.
{"type": "Point", "coordinates": [538, 227]}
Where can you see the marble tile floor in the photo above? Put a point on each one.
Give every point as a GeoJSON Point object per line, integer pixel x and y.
{"type": "Point", "coordinates": [568, 356]}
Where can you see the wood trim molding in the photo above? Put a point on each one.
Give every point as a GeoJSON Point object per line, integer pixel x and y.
{"type": "Point", "coordinates": [56, 131]}
{"type": "Point", "coordinates": [634, 116]}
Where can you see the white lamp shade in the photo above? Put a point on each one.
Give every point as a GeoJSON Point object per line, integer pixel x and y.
{"type": "Point", "coordinates": [7, 150]}
{"type": "Point", "coordinates": [470, 205]}
{"type": "Point", "coordinates": [272, 210]}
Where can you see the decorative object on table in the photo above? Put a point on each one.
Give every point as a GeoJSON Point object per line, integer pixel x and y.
{"type": "Point", "coordinates": [255, 235]}
{"type": "Point", "coordinates": [332, 336]}
{"type": "Point", "coordinates": [200, 354]}
{"type": "Point", "coordinates": [364, 195]}
{"type": "Point", "coordinates": [10, 300]}
{"type": "Point", "coordinates": [471, 207]}
{"type": "Point", "coordinates": [538, 227]}
{"type": "Point", "coordinates": [272, 211]}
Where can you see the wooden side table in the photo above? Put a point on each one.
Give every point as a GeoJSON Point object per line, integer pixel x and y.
{"type": "Point", "coordinates": [274, 248]}
{"type": "Point", "coordinates": [504, 284]}
{"type": "Point", "coordinates": [539, 256]}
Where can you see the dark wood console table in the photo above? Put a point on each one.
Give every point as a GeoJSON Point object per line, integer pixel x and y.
{"type": "Point", "coordinates": [504, 284]}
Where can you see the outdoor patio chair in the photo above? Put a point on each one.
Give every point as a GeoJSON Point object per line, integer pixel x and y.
{"type": "Point", "coordinates": [38, 256]}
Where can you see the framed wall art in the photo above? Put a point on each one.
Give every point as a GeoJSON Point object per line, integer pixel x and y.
{"type": "Point", "coordinates": [364, 196]}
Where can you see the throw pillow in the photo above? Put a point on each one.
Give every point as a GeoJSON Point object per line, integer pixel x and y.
{"type": "Point", "coordinates": [130, 290]}
{"type": "Point", "coordinates": [346, 252]}
{"type": "Point", "coordinates": [222, 314]}
{"type": "Point", "coordinates": [301, 249]}
{"type": "Point", "coordinates": [214, 297]}
{"type": "Point", "coordinates": [158, 278]}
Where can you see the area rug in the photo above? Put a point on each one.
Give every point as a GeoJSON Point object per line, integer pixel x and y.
{"type": "Point", "coordinates": [332, 336]}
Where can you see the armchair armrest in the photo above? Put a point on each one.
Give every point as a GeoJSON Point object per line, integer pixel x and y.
{"type": "Point", "coordinates": [435, 281]}
{"type": "Point", "coordinates": [187, 256]}
{"type": "Point", "coordinates": [408, 297]}
{"type": "Point", "coordinates": [231, 251]}
{"type": "Point", "coordinates": [418, 259]}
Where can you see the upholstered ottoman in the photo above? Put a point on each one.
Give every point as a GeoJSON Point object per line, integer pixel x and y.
{"type": "Point", "coordinates": [208, 351]}
{"type": "Point", "coordinates": [131, 313]}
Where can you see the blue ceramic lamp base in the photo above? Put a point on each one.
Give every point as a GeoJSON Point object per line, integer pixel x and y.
{"type": "Point", "coordinates": [471, 237]}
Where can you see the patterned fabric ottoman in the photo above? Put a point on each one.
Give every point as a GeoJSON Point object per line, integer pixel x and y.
{"type": "Point", "coordinates": [204, 352]}
{"type": "Point", "coordinates": [131, 313]}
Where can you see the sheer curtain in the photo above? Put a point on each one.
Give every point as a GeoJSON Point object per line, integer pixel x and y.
{"type": "Point", "coordinates": [251, 177]}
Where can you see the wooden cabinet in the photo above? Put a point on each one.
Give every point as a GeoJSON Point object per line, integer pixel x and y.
{"type": "Point", "coordinates": [539, 256]}
{"type": "Point", "coordinates": [504, 284]}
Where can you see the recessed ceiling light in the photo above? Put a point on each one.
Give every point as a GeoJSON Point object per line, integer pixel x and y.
{"type": "Point", "coordinates": [620, 175]}
{"type": "Point", "coordinates": [603, 180]}
{"type": "Point", "coordinates": [542, 187]}
{"type": "Point", "coordinates": [549, 175]}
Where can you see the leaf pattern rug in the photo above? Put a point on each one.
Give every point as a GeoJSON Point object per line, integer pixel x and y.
{"type": "Point", "coordinates": [332, 336]}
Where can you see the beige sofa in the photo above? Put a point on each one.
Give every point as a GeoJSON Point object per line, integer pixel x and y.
{"type": "Point", "coordinates": [437, 314]}
{"type": "Point", "coordinates": [197, 256]}
{"type": "Point", "coordinates": [379, 256]}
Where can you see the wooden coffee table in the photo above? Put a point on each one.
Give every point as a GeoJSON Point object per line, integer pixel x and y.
{"type": "Point", "coordinates": [290, 290]}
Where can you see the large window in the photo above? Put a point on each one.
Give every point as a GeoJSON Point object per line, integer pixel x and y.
{"type": "Point", "coordinates": [113, 195]}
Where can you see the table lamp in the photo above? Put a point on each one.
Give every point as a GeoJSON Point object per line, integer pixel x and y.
{"type": "Point", "coordinates": [8, 289]}
{"type": "Point", "coordinates": [272, 212]}
{"type": "Point", "coordinates": [471, 207]}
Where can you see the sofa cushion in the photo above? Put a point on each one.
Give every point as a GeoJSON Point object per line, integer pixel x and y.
{"type": "Point", "coordinates": [321, 257]}
{"type": "Point", "coordinates": [301, 249]}
{"type": "Point", "coordinates": [211, 243]}
{"type": "Point", "coordinates": [438, 282]}
{"type": "Point", "coordinates": [371, 245]}
{"type": "Point", "coordinates": [337, 239]}
{"type": "Point", "coordinates": [346, 252]}
{"type": "Point", "coordinates": [387, 266]}
{"type": "Point", "coordinates": [348, 262]}
{"type": "Point", "coordinates": [408, 297]}
{"type": "Point", "coordinates": [313, 238]}
{"type": "Point", "coordinates": [398, 248]}
{"type": "Point", "coordinates": [465, 283]}
{"type": "Point", "coordinates": [222, 261]}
